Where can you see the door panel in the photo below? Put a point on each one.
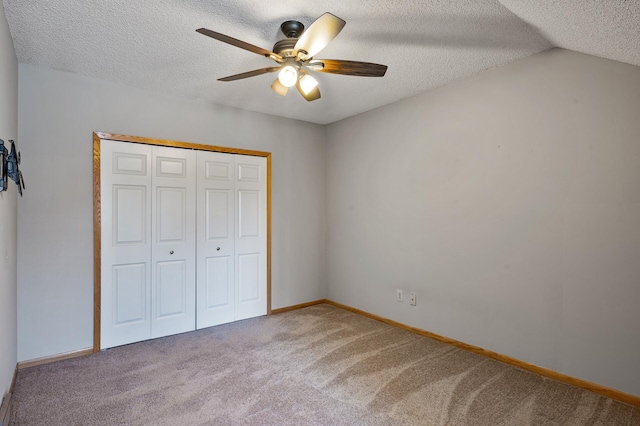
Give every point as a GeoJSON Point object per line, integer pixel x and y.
{"type": "Point", "coordinates": [173, 249]}
{"type": "Point", "coordinates": [248, 214]}
{"type": "Point", "coordinates": [172, 288]}
{"type": "Point", "coordinates": [129, 214]}
{"type": "Point", "coordinates": [215, 239]}
{"type": "Point", "coordinates": [218, 275]}
{"type": "Point", "coordinates": [125, 246]}
{"type": "Point", "coordinates": [126, 163]}
{"type": "Point", "coordinates": [248, 172]}
{"type": "Point", "coordinates": [248, 277]}
{"type": "Point", "coordinates": [171, 167]}
{"type": "Point", "coordinates": [251, 236]}
{"type": "Point", "coordinates": [129, 290]}
{"type": "Point", "coordinates": [217, 212]}
{"type": "Point", "coordinates": [171, 215]}
{"type": "Point", "coordinates": [218, 170]}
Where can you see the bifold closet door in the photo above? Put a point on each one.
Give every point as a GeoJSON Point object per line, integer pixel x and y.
{"type": "Point", "coordinates": [231, 238]}
{"type": "Point", "coordinates": [251, 236]}
{"type": "Point", "coordinates": [125, 181]}
{"type": "Point", "coordinates": [148, 242]}
{"type": "Point", "coordinates": [173, 250]}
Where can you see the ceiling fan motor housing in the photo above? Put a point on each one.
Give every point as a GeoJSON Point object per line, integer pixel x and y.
{"type": "Point", "coordinates": [285, 48]}
{"type": "Point", "coordinates": [292, 30]}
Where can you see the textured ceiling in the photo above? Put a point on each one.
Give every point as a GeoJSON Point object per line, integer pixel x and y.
{"type": "Point", "coordinates": [152, 44]}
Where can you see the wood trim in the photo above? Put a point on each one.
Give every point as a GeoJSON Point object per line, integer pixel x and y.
{"type": "Point", "coordinates": [299, 306]}
{"type": "Point", "coordinates": [13, 381]}
{"type": "Point", "coordinates": [542, 371]}
{"type": "Point", "coordinates": [269, 311]}
{"type": "Point", "coordinates": [49, 359]}
{"type": "Point", "coordinates": [97, 255]}
{"type": "Point", "coordinates": [179, 144]}
{"type": "Point", "coordinates": [5, 401]}
{"type": "Point", "coordinates": [97, 242]}
{"type": "Point", "coordinates": [5, 408]}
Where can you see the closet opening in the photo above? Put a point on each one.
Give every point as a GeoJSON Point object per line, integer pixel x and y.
{"type": "Point", "coordinates": [182, 237]}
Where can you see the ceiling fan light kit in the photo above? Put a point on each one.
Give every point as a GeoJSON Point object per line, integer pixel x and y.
{"type": "Point", "coordinates": [288, 76]}
{"type": "Point", "coordinates": [279, 88]}
{"type": "Point", "coordinates": [295, 53]}
{"type": "Point", "coordinates": [308, 83]}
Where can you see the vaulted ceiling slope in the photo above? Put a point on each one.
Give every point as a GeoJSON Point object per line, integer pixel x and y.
{"type": "Point", "coordinates": [152, 44]}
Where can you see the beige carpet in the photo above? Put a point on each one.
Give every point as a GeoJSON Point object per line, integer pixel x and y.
{"type": "Point", "coordinates": [315, 366]}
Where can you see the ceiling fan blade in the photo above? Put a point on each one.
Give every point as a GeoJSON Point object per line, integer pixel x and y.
{"type": "Point", "coordinates": [311, 95]}
{"type": "Point", "coordinates": [337, 66]}
{"type": "Point", "coordinates": [239, 43]}
{"type": "Point", "coordinates": [249, 74]}
{"type": "Point", "coordinates": [319, 34]}
{"type": "Point", "coordinates": [279, 88]}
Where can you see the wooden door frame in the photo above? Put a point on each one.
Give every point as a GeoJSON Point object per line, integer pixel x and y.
{"type": "Point", "coordinates": [97, 235]}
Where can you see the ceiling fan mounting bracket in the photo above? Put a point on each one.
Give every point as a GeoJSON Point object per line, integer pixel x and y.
{"type": "Point", "coordinates": [292, 29]}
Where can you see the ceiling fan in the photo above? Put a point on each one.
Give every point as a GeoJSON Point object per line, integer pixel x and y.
{"type": "Point", "coordinates": [295, 53]}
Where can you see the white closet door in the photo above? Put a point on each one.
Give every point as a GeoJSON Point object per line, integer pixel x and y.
{"type": "Point", "coordinates": [215, 239]}
{"type": "Point", "coordinates": [251, 236]}
{"type": "Point", "coordinates": [125, 175]}
{"type": "Point", "coordinates": [166, 269]}
{"type": "Point", "coordinates": [232, 238]}
{"type": "Point", "coordinates": [173, 299]}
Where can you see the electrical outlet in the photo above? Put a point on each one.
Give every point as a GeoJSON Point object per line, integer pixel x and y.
{"type": "Point", "coordinates": [412, 299]}
{"type": "Point", "coordinates": [399, 295]}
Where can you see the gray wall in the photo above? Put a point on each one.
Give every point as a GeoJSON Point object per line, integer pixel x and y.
{"type": "Point", "coordinates": [58, 113]}
{"type": "Point", "coordinates": [510, 203]}
{"type": "Point", "coordinates": [8, 202]}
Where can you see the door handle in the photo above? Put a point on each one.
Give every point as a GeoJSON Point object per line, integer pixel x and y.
{"type": "Point", "coordinates": [218, 249]}
{"type": "Point", "coordinates": [171, 252]}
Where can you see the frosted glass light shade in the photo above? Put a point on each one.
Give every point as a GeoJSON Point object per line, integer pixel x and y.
{"type": "Point", "coordinates": [288, 76]}
{"type": "Point", "coordinates": [308, 83]}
